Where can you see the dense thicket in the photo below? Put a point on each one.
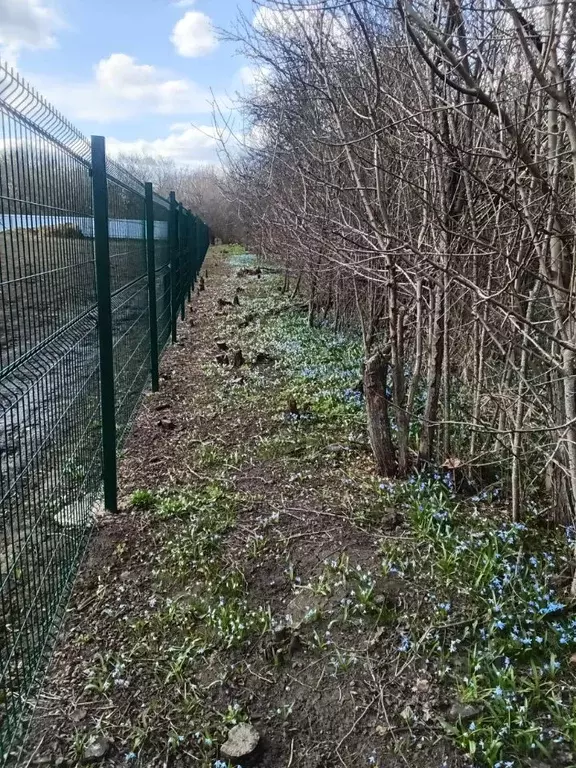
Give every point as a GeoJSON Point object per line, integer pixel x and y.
{"type": "Point", "coordinates": [413, 167]}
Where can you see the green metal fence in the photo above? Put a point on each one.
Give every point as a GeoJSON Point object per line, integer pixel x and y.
{"type": "Point", "coordinates": [94, 270]}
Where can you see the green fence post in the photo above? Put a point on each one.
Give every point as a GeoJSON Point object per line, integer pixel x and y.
{"type": "Point", "coordinates": [200, 243]}
{"type": "Point", "coordinates": [174, 277]}
{"type": "Point", "coordinates": [191, 255]}
{"type": "Point", "coordinates": [151, 261]}
{"type": "Point", "coordinates": [105, 337]}
{"type": "Point", "coordinates": [196, 262]}
{"type": "Point", "coordinates": [182, 258]}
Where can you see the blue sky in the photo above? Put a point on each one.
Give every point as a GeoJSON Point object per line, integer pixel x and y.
{"type": "Point", "coordinates": [138, 71]}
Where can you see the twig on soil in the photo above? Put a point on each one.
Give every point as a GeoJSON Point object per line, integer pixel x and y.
{"type": "Point", "coordinates": [313, 511]}
{"type": "Point", "coordinates": [205, 478]}
{"type": "Point", "coordinates": [291, 754]}
{"type": "Point", "coordinates": [286, 539]}
{"type": "Point", "coordinates": [260, 677]}
{"type": "Point", "coordinates": [35, 752]}
{"type": "Point", "coordinates": [356, 722]}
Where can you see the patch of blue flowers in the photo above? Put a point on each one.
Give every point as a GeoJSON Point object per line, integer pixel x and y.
{"type": "Point", "coordinates": [514, 634]}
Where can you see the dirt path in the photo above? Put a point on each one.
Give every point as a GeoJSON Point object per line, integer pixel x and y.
{"type": "Point", "coordinates": [243, 580]}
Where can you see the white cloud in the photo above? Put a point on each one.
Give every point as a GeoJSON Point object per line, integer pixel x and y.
{"type": "Point", "coordinates": [186, 144]}
{"type": "Point", "coordinates": [249, 76]}
{"type": "Point", "coordinates": [282, 20]}
{"type": "Point", "coordinates": [27, 24]}
{"type": "Point", "coordinates": [193, 35]}
{"type": "Point", "coordinates": [184, 3]}
{"type": "Point", "coordinates": [122, 89]}
{"type": "Point", "coordinates": [329, 25]}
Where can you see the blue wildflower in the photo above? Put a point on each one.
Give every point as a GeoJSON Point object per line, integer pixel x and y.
{"type": "Point", "coordinates": [404, 644]}
{"type": "Point", "coordinates": [552, 607]}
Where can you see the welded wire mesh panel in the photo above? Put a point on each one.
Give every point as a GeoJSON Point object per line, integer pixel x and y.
{"type": "Point", "coordinates": [49, 386]}
{"type": "Point", "coordinates": [162, 260]}
{"type": "Point", "coordinates": [60, 418]}
{"type": "Point", "coordinates": [129, 289]}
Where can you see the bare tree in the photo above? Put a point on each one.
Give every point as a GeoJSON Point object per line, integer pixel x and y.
{"type": "Point", "coordinates": [415, 172]}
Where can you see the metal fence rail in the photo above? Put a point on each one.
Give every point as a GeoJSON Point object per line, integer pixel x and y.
{"type": "Point", "coordinates": [94, 270]}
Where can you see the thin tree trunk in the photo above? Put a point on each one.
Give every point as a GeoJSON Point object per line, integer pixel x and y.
{"type": "Point", "coordinates": [435, 356]}
{"type": "Point", "coordinates": [375, 375]}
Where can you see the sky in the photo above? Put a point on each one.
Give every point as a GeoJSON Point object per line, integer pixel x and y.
{"type": "Point", "coordinates": [140, 72]}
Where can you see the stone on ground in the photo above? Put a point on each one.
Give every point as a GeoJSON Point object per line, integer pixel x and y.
{"type": "Point", "coordinates": [96, 749]}
{"type": "Point", "coordinates": [242, 741]}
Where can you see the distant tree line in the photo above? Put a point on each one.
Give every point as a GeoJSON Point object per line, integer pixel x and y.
{"type": "Point", "coordinates": [199, 188]}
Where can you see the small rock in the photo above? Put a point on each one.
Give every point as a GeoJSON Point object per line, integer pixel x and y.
{"type": "Point", "coordinates": [421, 686]}
{"type": "Point", "coordinates": [242, 741]}
{"type": "Point", "coordinates": [460, 711]}
{"type": "Point", "coordinates": [96, 749]}
{"type": "Point", "coordinates": [80, 713]}
{"type": "Point", "coordinates": [166, 424]}
{"type": "Point", "coordinates": [407, 714]}
{"type": "Point", "coordinates": [222, 345]}
{"type": "Point", "coordinates": [162, 407]}
{"type": "Point", "coordinates": [221, 359]}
